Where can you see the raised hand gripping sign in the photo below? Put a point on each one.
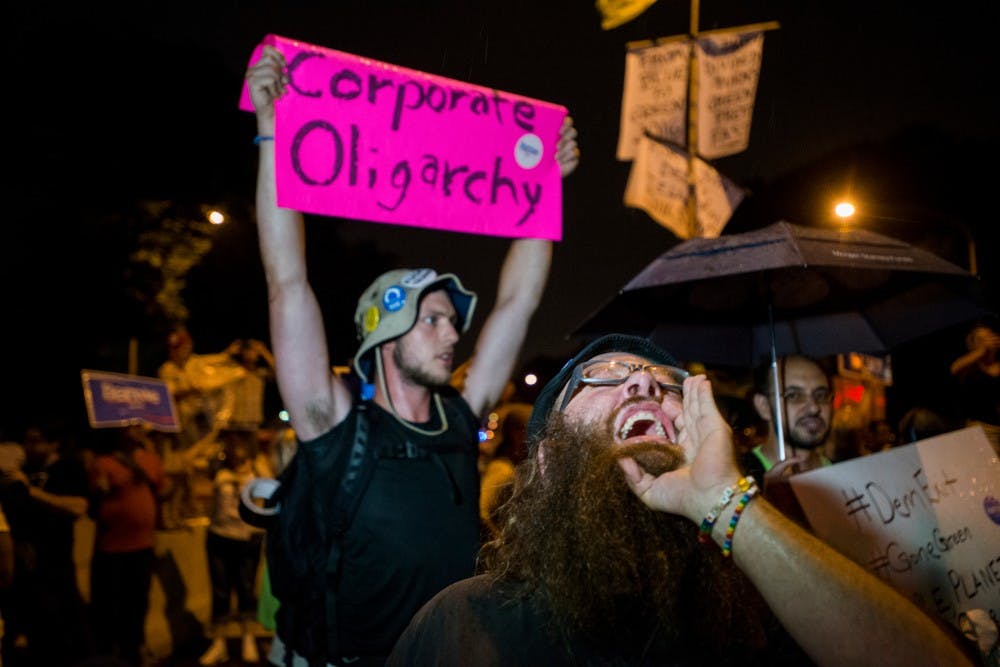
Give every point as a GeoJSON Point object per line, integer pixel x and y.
{"type": "Point", "coordinates": [359, 138]}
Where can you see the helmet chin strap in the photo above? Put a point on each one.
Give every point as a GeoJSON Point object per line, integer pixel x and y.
{"type": "Point", "coordinates": [442, 417]}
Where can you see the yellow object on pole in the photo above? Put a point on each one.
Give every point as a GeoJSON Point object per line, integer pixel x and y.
{"type": "Point", "coordinates": [617, 12]}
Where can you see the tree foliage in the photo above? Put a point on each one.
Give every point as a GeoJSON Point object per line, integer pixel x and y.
{"type": "Point", "coordinates": [171, 244]}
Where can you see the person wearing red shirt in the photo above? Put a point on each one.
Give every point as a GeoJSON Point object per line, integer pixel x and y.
{"type": "Point", "coordinates": [127, 481]}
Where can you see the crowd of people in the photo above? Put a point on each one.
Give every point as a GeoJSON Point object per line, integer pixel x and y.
{"type": "Point", "coordinates": [131, 482]}
{"type": "Point", "coordinates": [615, 519]}
{"type": "Point", "coordinates": [121, 481]}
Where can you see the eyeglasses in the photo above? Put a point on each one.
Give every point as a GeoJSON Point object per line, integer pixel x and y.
{"type": "Point", "coordinates": [797, 397]}
{"type": "Point", "coordinates": [614, 372]}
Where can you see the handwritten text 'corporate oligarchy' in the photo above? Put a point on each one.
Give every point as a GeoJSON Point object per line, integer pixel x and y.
{"type": "Point", "coordinates": [423, 149]}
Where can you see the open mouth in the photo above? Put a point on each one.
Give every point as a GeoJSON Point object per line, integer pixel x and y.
{"type": "Point", "coordinates": [811, 424]}
{"type": "Point", "coordinates": [642, 423]}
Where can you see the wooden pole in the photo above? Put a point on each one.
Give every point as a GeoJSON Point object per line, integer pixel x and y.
{"type": "Point", "coordinates": [691, 207]}
{"type": "Point", "coordinates": [692, 128]}
{"type": "Point", "coordinates": [133, 356]}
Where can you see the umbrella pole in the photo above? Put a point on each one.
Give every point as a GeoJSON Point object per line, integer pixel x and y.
{"type": "Point", "coordinates": [779, 417]}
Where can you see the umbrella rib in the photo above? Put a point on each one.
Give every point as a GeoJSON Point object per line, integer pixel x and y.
{"type": "Point", "coordinates": [717, 251]}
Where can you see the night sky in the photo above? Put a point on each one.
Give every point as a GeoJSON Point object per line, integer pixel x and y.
{"type": "Point", "coordinates": [112, 108]}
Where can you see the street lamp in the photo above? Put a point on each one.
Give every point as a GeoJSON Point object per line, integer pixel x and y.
{"type": "Point", "coordinates": [845, 210]}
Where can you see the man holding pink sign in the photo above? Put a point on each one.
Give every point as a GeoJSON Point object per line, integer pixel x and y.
{"type": "Point", "coordinates": [405, 450]}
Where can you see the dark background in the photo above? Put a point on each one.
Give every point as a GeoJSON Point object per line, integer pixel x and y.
{"type": "Point", "coordinates": [111, 108]}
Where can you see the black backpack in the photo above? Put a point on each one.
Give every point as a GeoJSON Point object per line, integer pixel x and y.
{"type": "Point", "coordinates": [307, 517]}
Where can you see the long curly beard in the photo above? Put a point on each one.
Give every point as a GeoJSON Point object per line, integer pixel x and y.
{"type": "Point", "coordinates": [611, 572]}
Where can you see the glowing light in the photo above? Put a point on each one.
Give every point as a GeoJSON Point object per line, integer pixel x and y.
{"type": "Point", "coordinates": [844, 209]}
{"type": "Point", "coordinates": [852, 393]}
{"type": "Point", "coordinates": [530, 379]}
{"type": "Point", "coordinates": [283, 416]}
{"type": "Point", "coordinates": [216, 217]}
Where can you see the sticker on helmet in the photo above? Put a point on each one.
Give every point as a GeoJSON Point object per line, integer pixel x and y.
{"type": "Point", "coordinates": [418, 278]}
{"type": "Point", "coordinates": [370, 322]}
{"type": "Point", "coordinates": [394, 298]}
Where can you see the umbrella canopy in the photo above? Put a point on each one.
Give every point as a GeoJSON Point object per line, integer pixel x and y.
{"type": "Point", "coordinates": [816, 291]}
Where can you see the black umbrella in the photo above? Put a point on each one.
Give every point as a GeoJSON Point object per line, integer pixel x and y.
{"type": "Point", "coordinates": [782, 289]}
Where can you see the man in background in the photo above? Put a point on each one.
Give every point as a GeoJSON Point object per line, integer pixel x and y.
{"type": "Point", "coordinates": [807, 411]}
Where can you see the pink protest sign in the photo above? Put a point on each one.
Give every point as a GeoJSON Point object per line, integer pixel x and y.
{"type": "Point", "coordinates": [358, 138]}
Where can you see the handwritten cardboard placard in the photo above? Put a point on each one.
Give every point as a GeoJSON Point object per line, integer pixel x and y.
{"type": "Point", "coordinates": [363, 139]}
{"type": "Point", "coordinates": [655, 96]}
{"type": "Point", "coordinates": [114, 400]}
{"type": "Point", "coordinates": [925, 517]}
{"type": "Point", "coordinates": [658, 184]}
{"type": "Point", "coordinates": [728, 70]}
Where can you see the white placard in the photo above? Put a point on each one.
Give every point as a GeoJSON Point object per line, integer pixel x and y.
{"type": "Point", "coordinates": [658, 184]}
{"type": "Point", "coordinates": [655, 96]}
{"type": "Point", "coordinates": [728, 69]}
{"type": "Point", "coordinates": [925, 517]}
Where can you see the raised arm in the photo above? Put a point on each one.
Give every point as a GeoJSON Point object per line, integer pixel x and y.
{"type": "Point", "coordinates": [74, 506]}
{"type": "Point", "coordinates": [522, 280]}
{"type": "Point", "coordinates": [984, 342]}
{"type": "Point", "coordinates": [523, 276]}
{"type": "Point", "coordinates": [837, 611]}
{"type": "Point", "coordinates": [810, 586]}
{"type": "Point", "coordinates": [314, 396]}
{"type": "Point", "coordinates": [264, 353]}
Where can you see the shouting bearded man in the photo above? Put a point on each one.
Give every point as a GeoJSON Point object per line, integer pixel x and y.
{"type": "Point", "coordinates": [585, 573]}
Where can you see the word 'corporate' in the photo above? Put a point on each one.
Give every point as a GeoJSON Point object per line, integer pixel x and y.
{"type": "Point", "coordinates": [348, 85]}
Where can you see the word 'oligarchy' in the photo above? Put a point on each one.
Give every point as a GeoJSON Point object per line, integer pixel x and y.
{"type": "Point", "coordinates": [478, 186]}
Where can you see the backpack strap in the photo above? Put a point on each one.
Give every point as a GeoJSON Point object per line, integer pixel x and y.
{"type": "Point", "coordinates": [333, 515]}
{"type": "Point", "coordinates": [361, 461]}
{"type": "Point", "coordinates": [357, 474]}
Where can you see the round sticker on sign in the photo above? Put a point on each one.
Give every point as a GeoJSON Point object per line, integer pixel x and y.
{"type": "Point", "coordinates": [528, 151]}
{"type": "Point", "coordinates": [992, 507]}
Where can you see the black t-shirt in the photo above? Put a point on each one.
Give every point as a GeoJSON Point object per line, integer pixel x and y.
{"type": "Point", "coordinates": [473, 623]}
{"type": "Point", "coordinates": [980, 396]}
{"type": "Point", "coordinates": [417, 527]}
{"type": "Point", "coordinates": [43, 536]}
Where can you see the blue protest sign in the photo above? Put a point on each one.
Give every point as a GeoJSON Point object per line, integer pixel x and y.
{"type": "Point", "coordinates": [115, 399]}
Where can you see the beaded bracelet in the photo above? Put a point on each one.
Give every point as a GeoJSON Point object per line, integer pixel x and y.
{"type": "Point", "coordinates": [742, 484]}
{"type": "Point", "coordinates": [727, 546]}
{"type": "Point", "coordinates": [262, 137]}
